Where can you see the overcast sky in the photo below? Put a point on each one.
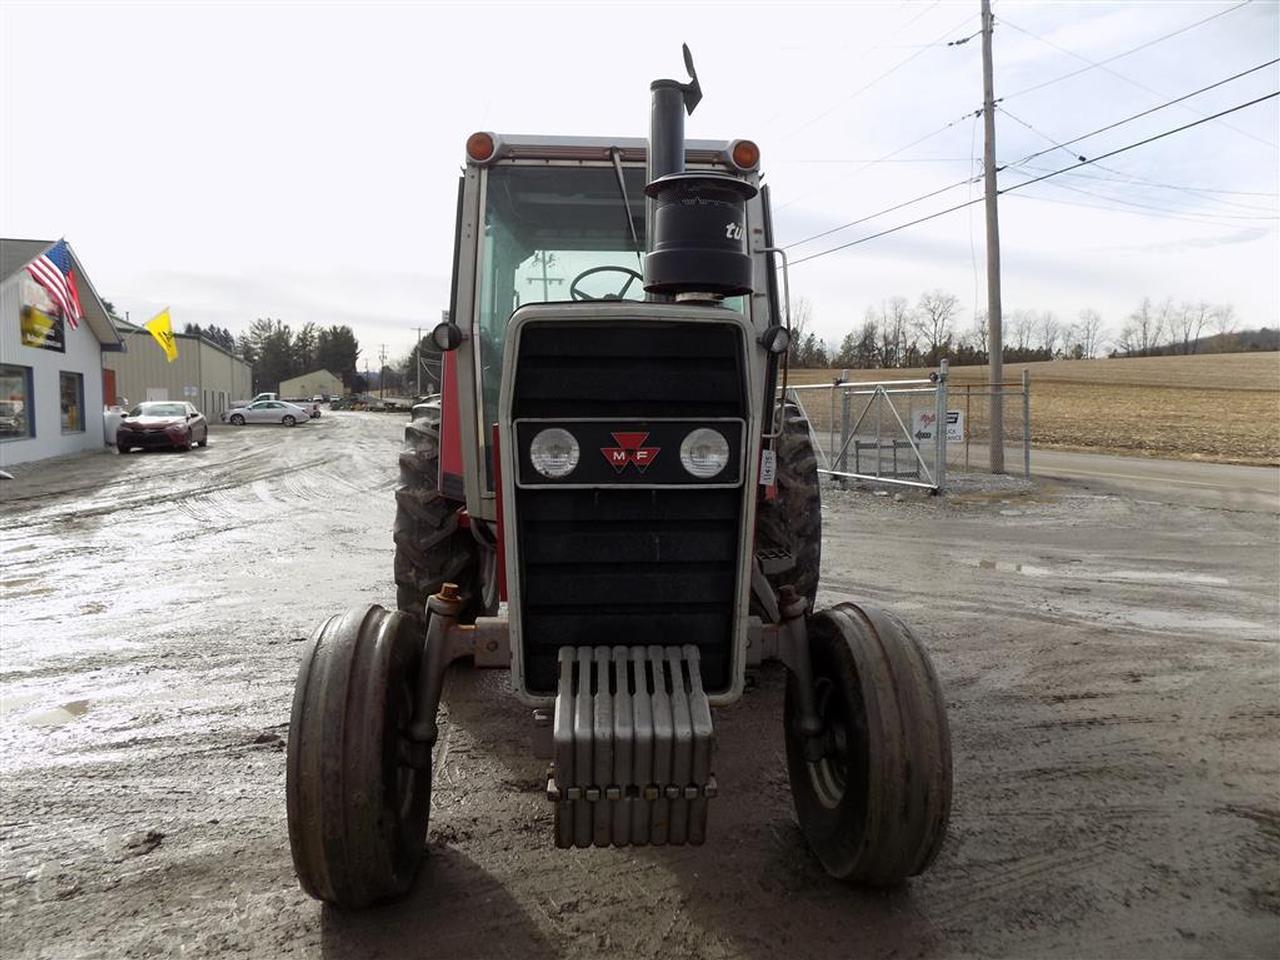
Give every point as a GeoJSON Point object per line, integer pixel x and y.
{"type": "Point", "coordinates": [299, 160]}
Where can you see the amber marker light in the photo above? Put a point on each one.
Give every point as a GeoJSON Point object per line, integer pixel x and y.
{"type": "Point", "coordinates": [480, 147]}
{"type": "Point", "coordinates": [745, 155]}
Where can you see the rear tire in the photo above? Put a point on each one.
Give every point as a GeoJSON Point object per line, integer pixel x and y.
{"type": "Point", "coordinates": [357, 811]}
{"type": "Point", "coordinates": [875, 807]}
{"type": "Point", "coordinates": [792, 520]}
{"type": "Point", "coordinates": [431, 547]}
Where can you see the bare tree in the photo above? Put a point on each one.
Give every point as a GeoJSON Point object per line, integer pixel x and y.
{"type": "Point", "coordinates": [977, 336]}
{"type": "Point", "coordinates": [801, 317]}
{"type": "Point", "coordinates": [1088, 332]}
{"type": "Point", "coordinates": [1192, 319]}
{"type": "Point", "coordinates": [1022, 324]}
{"type": "Point", "coordinates": [866, 351]}
{"type": "Point", "coordinates": [935, 316]}
{"type": "Point", "coordinates": [1224, 319]}
{"type": "Point", "coordinates": [1143, 330]}
{"type": "Point", "coordinates": [1166, 332]}
{"type": "Point", "coordinates": [894, 319]}
{"type": "Point", "coordinates": [1050, 332]}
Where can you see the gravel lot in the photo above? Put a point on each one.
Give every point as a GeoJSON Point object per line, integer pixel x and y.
{"type": "Point", "coordinates": [1111, 668]}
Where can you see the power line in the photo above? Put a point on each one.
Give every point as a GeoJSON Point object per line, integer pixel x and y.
{"type": "Point", "coordinates": [871, 83]}
{"type": "Point", "coordinates": [880, 213]}
{"type": "Point", "coordinates": [1063, 145]}
{"type": "Point", "coordinates": [1197, 192]}
{"type": "Point", "coordinates": [1136, 83]}
{"type": "Point", "coordinates": [1111, 126]}
{"type": "Point", "coordinates": [884, 159]}
{"type": "Point", "coordinates": [1186, 214]}
{"type": "Point", "coordinates": [1093, 65]}
{"type": "Point", "coordinates": [1027, 183]}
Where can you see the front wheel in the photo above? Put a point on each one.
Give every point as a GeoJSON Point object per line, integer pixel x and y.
{"type": "Point", "coordinates": [237, 420]}
{"type": "Point", "coordinates": [875, 803]}
{"type": "Point", "coordinates": [288, 421]}
{"type": "Point", "coordinates": [123, 448]}
{"type": "Point", "coordinates": [358, 802]}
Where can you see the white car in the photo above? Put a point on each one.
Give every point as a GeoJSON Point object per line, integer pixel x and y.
{"type": "Point", "coordinates": [269, 411]}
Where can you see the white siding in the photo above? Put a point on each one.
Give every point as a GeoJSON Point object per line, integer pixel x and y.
{"type": "Point", "coordinates": [83, 356]}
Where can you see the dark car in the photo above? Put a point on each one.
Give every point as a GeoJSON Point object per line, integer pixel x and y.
{"type": "Point", "coordinates": [162, 423]}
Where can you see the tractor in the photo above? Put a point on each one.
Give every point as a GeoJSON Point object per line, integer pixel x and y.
{"type": "Point", "coordinates": [615, 459]}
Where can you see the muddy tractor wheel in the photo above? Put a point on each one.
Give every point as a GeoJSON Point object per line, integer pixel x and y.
{"type": "Point", "coordinates": [357, 803]}
{"type": "Point", "coordinates": [432, 548]}
{"type": "Point", "coordinates": [792, 521]}
{"type": "Point", "coordinates": [874, 804]}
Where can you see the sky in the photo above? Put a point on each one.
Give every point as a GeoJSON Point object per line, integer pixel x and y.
{"type": "Point", "coordinates": [299, 160]}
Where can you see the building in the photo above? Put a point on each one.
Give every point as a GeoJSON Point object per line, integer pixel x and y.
{"type": "Point", "coordinates": [50, 368]}
{"type": "Point", "coordinates": [205, 374]}
{"type": "Point", "coordinates": [312, 384]}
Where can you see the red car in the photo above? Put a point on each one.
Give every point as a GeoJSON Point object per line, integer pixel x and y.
{"type": "Point", "coordinates": [162, 423]}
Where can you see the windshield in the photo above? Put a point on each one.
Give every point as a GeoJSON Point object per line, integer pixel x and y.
{"type": "Point", "coordinates": [158, 410]}
{"type": "Point", "coordinates": [544, 227]}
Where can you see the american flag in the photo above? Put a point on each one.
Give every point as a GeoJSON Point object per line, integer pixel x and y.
{"type": "Point", "coordinates": [52, 270]}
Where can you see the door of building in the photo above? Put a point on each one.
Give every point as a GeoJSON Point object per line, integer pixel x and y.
{"type": "Point", "coordinates": [109, 397]}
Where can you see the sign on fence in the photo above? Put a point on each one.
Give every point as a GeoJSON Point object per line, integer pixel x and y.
{"type": "Point", "coordinates": [925, 421]}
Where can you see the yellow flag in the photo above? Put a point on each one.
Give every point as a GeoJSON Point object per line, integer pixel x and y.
{"type": "Point", "coordinates": [160, 328]}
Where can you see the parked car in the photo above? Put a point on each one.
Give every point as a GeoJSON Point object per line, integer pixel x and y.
{"type": "Point", "coordinates": [269, 411]}
{"type": "Point", "coordinates": [312, 408]}
{"type": "Point", "coordinates": [173, 424]}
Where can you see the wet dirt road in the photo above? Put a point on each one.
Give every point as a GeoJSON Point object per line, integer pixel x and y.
{"type": "Point", "coordinates": [1111, 669]}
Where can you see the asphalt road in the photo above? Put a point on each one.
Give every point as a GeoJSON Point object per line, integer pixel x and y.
{"type": "Point", "coordinates": [1188, 482]}
{"type": "Point", "coordinates": [1111, 673]}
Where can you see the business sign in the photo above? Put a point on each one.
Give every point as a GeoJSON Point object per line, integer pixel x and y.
{"type": "Point", "coordinates": [925, 422]}
{"type": "Point", "coordinates": [41, 321]}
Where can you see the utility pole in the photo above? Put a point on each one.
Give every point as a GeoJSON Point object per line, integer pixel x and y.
{"type": "Point", "coordinates": [995, 333]}
{"type": "Point", "coordinates": [417, 354]}
{"type": "Point", "coordinates": [382, 370]}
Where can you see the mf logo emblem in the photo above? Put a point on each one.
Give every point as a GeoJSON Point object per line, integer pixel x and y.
{"type": "Point", "coordinates": [630, 449]}
{"type": "Point", "coordinates": [733, 231]}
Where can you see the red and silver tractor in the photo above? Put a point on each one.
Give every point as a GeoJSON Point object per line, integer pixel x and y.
{"type": "Point", "coordinates": [614, 458]}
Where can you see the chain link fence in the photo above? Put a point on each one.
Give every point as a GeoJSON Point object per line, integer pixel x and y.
{"type": "Point", "coordinates": [913, 432]}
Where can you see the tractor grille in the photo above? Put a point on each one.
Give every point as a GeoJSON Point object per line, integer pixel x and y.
{"type": "Point", "coordinates": [628, 565]}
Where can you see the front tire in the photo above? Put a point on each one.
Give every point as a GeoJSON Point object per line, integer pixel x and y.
{"type": "Point", "coordinates": [237, 420]}
{"type": "Point", "coordinates": [289, 421]}
{"type": "Point", "coordinates": [874, 807]}
{"type": "Point", "coordinates": [432, 548]}
{"type": "Point", "coordinates": [357, 808]}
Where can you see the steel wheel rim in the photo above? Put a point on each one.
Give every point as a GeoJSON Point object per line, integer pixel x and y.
{"type": "Point", "coordinates": [829, 775]}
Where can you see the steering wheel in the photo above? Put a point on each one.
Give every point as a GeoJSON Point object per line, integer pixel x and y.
{"type": "Point", "coordinates": [580, 295]}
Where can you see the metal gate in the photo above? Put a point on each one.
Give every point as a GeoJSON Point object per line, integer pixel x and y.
{"type": "Point", "coordinates": [888, 431]}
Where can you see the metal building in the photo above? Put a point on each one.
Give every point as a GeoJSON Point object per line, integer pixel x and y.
{"type": "Point", "coordinates": [312, 384]}
{"type": "Point", "coordinates": [51, 386]}
{"type": "Point", "coordinates": [205, 374]}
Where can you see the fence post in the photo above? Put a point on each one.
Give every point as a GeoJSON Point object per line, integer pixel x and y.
{"type": "Point", "coordinates": [843, 463]}
{"type": "Point", "coordinates": [1026, 423]}
{"type": "Point", "coordinates": [968, 422]}
{"type": "Point", "coordinates": [940, 431]}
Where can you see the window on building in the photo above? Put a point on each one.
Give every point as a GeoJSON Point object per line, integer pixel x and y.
{"type": "Point", "coordinates": [71, 400]}
{"type": "Point", "coordinates": [17, 419]}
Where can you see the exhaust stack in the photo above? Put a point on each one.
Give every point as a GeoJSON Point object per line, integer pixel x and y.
{"type": "Point", "coordinates": [697, 233]}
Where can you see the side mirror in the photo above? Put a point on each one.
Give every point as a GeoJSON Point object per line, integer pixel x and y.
{"type": "Point", "coordinates": [447, 336]}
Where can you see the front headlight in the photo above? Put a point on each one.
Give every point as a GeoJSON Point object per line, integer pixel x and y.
{"type": "Point", "coordinates": [554, 453]}
{"type": "Point", "coordinates": [704, 453]}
